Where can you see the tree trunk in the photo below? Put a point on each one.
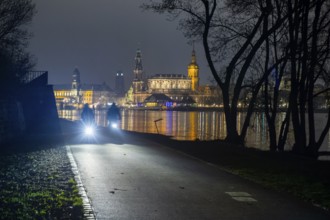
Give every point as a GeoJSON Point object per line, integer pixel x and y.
{"type": "Point", "coordinates": [294, 25]}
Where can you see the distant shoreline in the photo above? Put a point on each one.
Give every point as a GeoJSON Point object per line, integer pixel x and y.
{"type": "Point", "coordinates": [192, 109]}
{"type": "Point", "coordinates": [218, 109]}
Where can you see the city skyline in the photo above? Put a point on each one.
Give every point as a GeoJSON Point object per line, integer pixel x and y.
{"type": "Point", "coordinates": [101, 38]}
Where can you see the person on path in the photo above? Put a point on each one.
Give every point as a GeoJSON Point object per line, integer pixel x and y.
{"type": "Point", "coordinates": [113, 114]}
{"type": "Point", "coordinates": [87, 115]}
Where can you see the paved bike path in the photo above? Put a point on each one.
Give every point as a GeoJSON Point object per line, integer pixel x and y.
{"type": "Point", "coordinates": [132, 178]}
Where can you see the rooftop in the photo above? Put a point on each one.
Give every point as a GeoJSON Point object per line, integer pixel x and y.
{"type": "Point", "coordinates": [166, 76]}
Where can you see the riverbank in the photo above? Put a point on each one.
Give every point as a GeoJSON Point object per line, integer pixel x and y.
{"type": "Point", "coordinates": [36, 180]}
{"type": "Point", "coordinates": [304, 178]}
{"type": "Point", "coordinates": [204, 109]}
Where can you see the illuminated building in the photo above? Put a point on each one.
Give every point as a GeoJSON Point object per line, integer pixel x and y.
{"type": "Point", "coordinates": [156, 100]}
{"type": "Point", "coordinates": [77, 94]}
{"type": "Point", "coordinates": [137, 92]}
{"type": "Point", "coordinates": [193, 71]}
{"type": "Point", "coordinates": [169, 83]}
{"type": "Point", "coordinates": [182, 89]}
{"type": "Point", "coordinates": [138, 84]}
{"type": "Point", "coordinates": [175, 86]}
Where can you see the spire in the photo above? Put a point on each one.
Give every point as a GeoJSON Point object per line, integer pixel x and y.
{"type": "Point", "coordinates": [75, 87]}
{"type": "Point", "coordinates": [193, 55]}
{"type": "Point", "coordinates": [76, 76]}
{"type": "Point", "coordinates": [193, 71]}
{"type": "Point", "coordinates": [138, 70]}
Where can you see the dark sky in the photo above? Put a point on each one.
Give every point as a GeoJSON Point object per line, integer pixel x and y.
{"type": "Point", "coordinates": [101, 37]}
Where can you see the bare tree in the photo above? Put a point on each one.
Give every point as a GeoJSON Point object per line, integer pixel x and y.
{"type": "Point", "coordinates": [245, 41]}
{"type": "Point", "coordinates": [232, 34]}
{"type": "Point", "coordinates": [14, 60]}
{"type": "Point", "coordinates": [309, 37]}
{"type": "Point", "coordinates": [276, 54]}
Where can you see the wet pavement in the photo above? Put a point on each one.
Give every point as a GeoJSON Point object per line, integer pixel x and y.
{"type": "Point", "coordinates": [127, 177]}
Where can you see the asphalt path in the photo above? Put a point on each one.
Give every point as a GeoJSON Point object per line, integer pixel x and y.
{"type": "Point", "coordinates": [129, 177]}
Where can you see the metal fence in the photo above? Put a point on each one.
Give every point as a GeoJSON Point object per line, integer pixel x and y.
{"type": "Point", "coordinates": [32, 75]}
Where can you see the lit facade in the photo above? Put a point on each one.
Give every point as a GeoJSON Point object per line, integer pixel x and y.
{"type": "Point", "coordinates": [181, 89]}
{"type": "Point", "coordinates": [193, 72]}
{"type": "Point", "coordinates": [165, 83]}
{"type": "Point", "coordinates": [77, 94]}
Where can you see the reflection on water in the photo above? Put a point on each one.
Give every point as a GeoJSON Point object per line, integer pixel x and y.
{"type": "Point", "coordinates": [180, 125]}
{"type": "Point", "coordinates": [194, 125]}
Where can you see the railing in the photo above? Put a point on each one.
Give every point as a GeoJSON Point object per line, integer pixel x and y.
{"type": "Point", "coordinates": [32, 75]}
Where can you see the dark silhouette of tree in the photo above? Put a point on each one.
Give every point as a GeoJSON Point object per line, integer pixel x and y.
{"type": "Point", "coordinates": [246, 43]}
{"type": "Point", "coordinates": [14, 60]}
{"type": "Point", "coordinates": [233, 34]}
{"type": "Point", "coordinates": [308, 43]}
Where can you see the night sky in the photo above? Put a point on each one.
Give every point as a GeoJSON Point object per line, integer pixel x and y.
{"type": "Point", "coordinates": [101, 37]}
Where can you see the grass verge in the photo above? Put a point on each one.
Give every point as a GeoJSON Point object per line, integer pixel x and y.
{"type": "Point", "coordinates": [38, 184]}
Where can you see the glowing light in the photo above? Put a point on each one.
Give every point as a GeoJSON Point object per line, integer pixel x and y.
{"type": "Point", "coordinates": [89, 130]}
{"type": "Point", "coordinates": [114, 125]}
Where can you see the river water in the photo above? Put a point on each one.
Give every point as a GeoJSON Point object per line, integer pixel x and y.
{"type": "Point", "coordinates": [185, 125]}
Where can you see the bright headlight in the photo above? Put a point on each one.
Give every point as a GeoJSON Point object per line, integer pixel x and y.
{"type": "Point", "coordinates": [114, 125]}
{"type": "Point", "coordinates": [89, 130]}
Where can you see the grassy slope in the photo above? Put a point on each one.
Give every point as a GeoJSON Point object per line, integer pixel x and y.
{"type": "Point", "coordinates": [36, 182]}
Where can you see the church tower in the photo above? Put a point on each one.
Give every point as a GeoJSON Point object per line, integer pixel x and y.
{"type": "Point", "coordinates": [138, 83]}
{"type": "Point", "coordinates": [75, 87]}
{"type": "Point", "coordinates": [138, 70]}
{"type": "Point", "coordinates": [193, 71]}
